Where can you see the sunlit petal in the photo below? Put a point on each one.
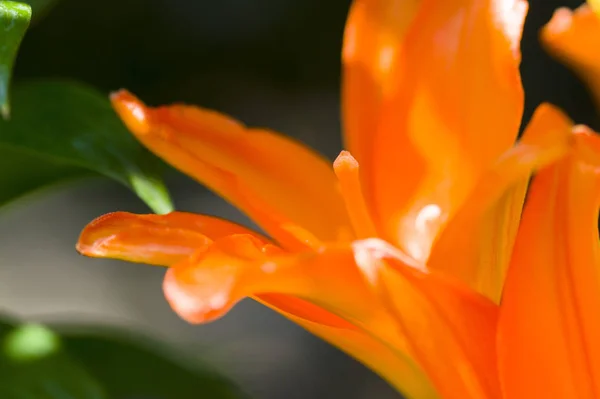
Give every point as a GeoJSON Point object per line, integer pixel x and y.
{"type": "Point", "coordinates": [437, 316]}
{"type": "Point", "coordinates": [449, 328]}
{"type": "Point", "coordinates": [574, 38]}
{"type": "Point", "coordinates": [165, 240]}
{"type": "Point", "coordinates": [237, 266]}
{"type": "Point", "coordinates": [595, 6]}
{"type": "Point", "coordinates": [441, 98]}
{"type": "Point", "coordinates": [154, 239]}
{"type": "Point", "coordinates": [206, 285]}
{"type": "Point", "coordinates": [373, 38]}
{"type": "Point", "coordinates": [477, 243]}
{"type": "Point", "coordinates": [421, 262]}
{"type": "Point", "coordinates": [275, 180]}
{"type": "Point", "coordinates": [168, 239]}
{"type": "Point", "coordinates": [549, 329]}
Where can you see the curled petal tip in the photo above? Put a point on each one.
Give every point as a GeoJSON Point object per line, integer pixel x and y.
{"type": "Point", "coordinates": [567, 28]}
{"type": "Point", "coordinates": [548, 109]}
{"type": "Point", "coordinates": [86, 250]}
{"type": "Point", "coordinates": [207, 284]}
{"type": "Point", "coordinates": [560, 22]}
{"type": "Point", "coordinates": [124, 96]}
{"type": "Point", "coordinates": [117, 94]}
{"type": "Point", "coordinates": [195, 304]}
{"type": "Point", "coordinates": [132, 111]}
{"type": "Point", "coordinates": [140, 238]}
{"type": "Point", "coordinates": [583, 131]}
{"type": "Point", "coordinates": [92, 238]}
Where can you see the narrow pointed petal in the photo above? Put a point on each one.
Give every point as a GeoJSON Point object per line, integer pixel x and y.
{"type": "Point", "coordinates": [347, 171]}
{"type": "Point", "coordinates": [477, 243]}
{"type": "Point", "coordinates": [574, 38]}
{"type": "Point", "coordinates": [440, 83]}
{"type": "Point", "coordinates": [549, 329]}
{"type": "Point", "coordinates": [154, 239]}
{"type": "Point", "coordinates": [274, 180]}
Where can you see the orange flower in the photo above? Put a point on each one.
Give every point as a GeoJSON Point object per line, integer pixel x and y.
{"type": "Point", "coordinates": [574, 38]}
{"type": "Point", "coordinates": [413, 255]}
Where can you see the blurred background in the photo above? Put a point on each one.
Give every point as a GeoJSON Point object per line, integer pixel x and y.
{"type": "Point", "coordinates": [271, 63]}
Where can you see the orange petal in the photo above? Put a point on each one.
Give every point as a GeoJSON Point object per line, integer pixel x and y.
{"type": "Point", "coordinates": [441, 84]}
{"type": "Point", "coordinates": [164, 240]}
{"type": "Point", "coordinates": [154, 239]}
{"type": "Point", "coordinates": [574, 38]}
{"type": "Point", "coordinates": [450, 329]}
{"type": "Point", "coordinates": [167, 239]}
{"type": "Point", "coordinates": [437, 316]}
{"type": "Point", "coordinates": [549, 329]}
{"type": "Point", "coordinates": [274, 180]}
{"type": "Point", "coordinates": [237, 266]}
{"type": "Point", "coordinates": [399, 370]}
{"type": "Point", "coordinates": [595, 6]}
{"type": "Point", "coordinates": [372, 41]}
{"type": "Point", "coordinates": [205, 286]}
{"type": "Point", "coordinates": [477, 243]}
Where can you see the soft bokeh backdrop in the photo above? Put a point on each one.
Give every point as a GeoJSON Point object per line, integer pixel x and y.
{"type": "Point", "coordinates": [270, 63]}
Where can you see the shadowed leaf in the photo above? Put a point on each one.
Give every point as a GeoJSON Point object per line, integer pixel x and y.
{"type": "Point", "coordinates": [63, 129]}
{"type": "Point", "coordinates": [14, 21]}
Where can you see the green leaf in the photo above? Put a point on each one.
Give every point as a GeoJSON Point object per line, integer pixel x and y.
{"type": "Point", "coordinates": [14, 21]}
{"type": "Point", "coordinates": [132, 366]}
{"type": "Point", "coordinates": [61, 129]}
{"type": "Point", "coordinates": [22, 174]}
{"type": "Point", "coordinates": [99, 363]}
{"type": "Point", "coordinates": [34, 365]}
{"type": "Point", "coordinates": [40, 7]}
